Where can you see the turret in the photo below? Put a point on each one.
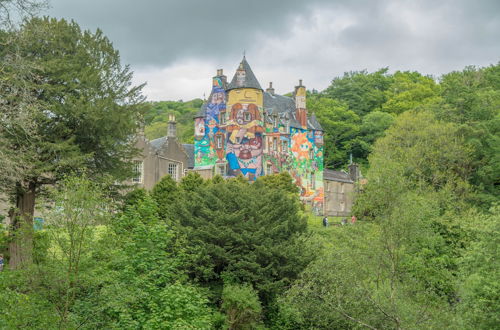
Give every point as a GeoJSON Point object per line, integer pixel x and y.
{"type": "Point", "coordinates": [300, 104]}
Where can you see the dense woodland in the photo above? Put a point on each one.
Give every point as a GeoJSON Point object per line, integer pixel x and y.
{"type": "Point", "coordinates": [226, 254]}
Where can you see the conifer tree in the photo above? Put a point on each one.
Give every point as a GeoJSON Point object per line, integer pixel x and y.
{"type": "Point", "coordinates": [86, 115]}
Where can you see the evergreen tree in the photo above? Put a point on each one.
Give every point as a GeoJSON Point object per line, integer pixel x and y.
{"type": "Point", "coordinates": [87, 115]}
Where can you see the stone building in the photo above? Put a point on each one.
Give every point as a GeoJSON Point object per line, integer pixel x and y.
{"type": "Point", "coordinates": [244, 130]}
{"type": "Point", "coordinates": [160, 157]}
{"type": "Point", "coordinates": [340, 190]}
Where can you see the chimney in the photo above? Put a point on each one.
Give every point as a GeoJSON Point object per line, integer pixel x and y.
{"type": "Point", "coordinates": [300, 104]}
{"type": "Point", "coordinates": [354, 172]}
{"type": "Point", "coordinates": [172, 127]}
{"type": "Point", "coordinates": [220, 80]}
{"type": "Point", "coordinates": [270, 89]}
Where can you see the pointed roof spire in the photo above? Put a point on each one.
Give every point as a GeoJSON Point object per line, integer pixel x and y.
{"type": "Point", "coordinates": [244, 77]}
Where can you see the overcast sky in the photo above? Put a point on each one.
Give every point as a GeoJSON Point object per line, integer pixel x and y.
{"type": "Point", "coordinates": [177, 46]}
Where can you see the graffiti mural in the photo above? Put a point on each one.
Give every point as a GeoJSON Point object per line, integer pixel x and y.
{"type": "Point", "coordinates": [307, 164]}
{"type": "Point", "coordinates": [207, 131]}
{"type": "Point", "coordinates": [237, 135]}
{"type": "Point", "coordinates": [244, 129]}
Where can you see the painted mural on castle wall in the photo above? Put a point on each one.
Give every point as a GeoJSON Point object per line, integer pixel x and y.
{"type": "Point", "coordinates": [236, 135]}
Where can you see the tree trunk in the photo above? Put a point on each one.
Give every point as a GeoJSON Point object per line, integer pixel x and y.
{"type": "Point", "coordinates": [21, 219]}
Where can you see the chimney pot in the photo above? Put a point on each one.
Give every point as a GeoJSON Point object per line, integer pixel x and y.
{"type": "Point", "coordinates": [300, 82]}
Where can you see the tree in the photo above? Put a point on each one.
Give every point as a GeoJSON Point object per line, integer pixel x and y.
{"type": "Point", "coordinates": [19, 9]}
{"type": "Point", "coordinates": [281, 181]}
{"type": "Point", "coordinates": [89, 113]}
{"type": "Point", "coordinates": [341, 125]}
{"type": "Point", "coordinates": [471, 99]}
{"type": "Point", "coordinates": [241, 305]}
{"type": "Point", "coordinates": [362, 91]}
{"type": "Point", "coordinates": [373, 126]}
{"type": "Point", "coordinates": [238, 232]}
{"type": "Point", "coordinates": [410, 91]}
{"type": "Point", "coordinates": [479, 289]}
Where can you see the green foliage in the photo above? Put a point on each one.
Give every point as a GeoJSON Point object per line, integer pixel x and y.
{"type": "Point", "coordinates": [134, 197]}
{"type": "Point", "coordinates": [281, 181]}
{"type": "Point", "coordinates": [471, 98]}
{"type": "Point", "coordinates": [165, 193]}
{"type": "Point", "coordinates": [144, 286]}
{"type": "Point", "coordinates": [156, 118]}
{"type": "Point", "coordinates": [358, 282]}
{"type": "Point", "coordinates": [241, 305]}
{"type": "Point", "coordinates": [124, 274]}
{"type": "Point", "coordinates": [73, 130]}
{"type": "Point", "coordinates": [341, 125]}
{"type": "Point", "coordinates": [480, 270]}
{"type": "Point", "coordinates": [191, 182]}
{"type": "Point", "coordinates": [411, 91]}
{"type": "Point", "coordinates": [362, 91]}
{"type": "Point", "coordinates": [242, 232]}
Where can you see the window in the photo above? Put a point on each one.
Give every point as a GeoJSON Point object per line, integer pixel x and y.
{"type": "Point", "coordinates": [341, 188]}
{"type": "Point", "coordinates": [247, 116]}
{"type": "Point", "coordinates": [220, 169]}
{"type": "Point", "coordinates": [219, 142]}
{"type": "Point", "coordinates": [284, 145]}
{"type": "Point", "coordinates": [138, 171]}
{"type": "Point", "coordinates": [222, 118]}
{"type": "Point", "coordinates": [311, 153]}
{"type": "Point", "coordinates": [269, 169]}
{"type": "Point", "coordinates": [275, 144]}
{"type": "Point", "coordinates": [275, 121]}
{"type": "Point", "coordinates": [172, 170]}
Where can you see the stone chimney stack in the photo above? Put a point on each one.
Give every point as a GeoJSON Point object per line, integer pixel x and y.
{"type": "Point", "coordinates": [220, 80]}
{"type": "Point", "coordinates": [300, 104]}
{"type": "Point", "coordinates": [354, 172]}
{"type": "Point", "coordinates": [270, 89]}
{"type": "Point", "coordinates": [172, 127]}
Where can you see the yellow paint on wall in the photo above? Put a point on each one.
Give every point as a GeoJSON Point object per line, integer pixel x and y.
{"type": "Point", "coordinates": [245, 95]}
{"type": "Point", "coordinates": [301, 91]}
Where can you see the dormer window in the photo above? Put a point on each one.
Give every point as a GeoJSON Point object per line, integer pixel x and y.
{"type": "Point", "coordinates": [247, 116]}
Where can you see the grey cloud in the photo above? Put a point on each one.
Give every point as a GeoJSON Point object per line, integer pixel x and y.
{"type": "Point", "coordinates": [430, 36]}
{"type": "Point", "coordinates": [158, 32]}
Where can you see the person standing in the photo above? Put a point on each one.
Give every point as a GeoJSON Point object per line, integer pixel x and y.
{"type": "Point", "coordinates": [325, 222]}
{"type": "Point", "coordinates": [1, 262]}
{"type": "Point", "coordinates": [353, 219]}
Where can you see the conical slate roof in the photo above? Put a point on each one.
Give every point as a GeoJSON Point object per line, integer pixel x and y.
{"type": "Point", "coordinates": [244, 77]}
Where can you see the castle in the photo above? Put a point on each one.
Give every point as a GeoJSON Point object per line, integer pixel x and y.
{"type": "Point", "coordinates": [244, 130]}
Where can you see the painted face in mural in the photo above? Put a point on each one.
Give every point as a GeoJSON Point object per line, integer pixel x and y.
{"type": "Point", "coordinates": [244, 122]}
{"type": "Point", "coordinates": [216, 105]}
{"type": "Point", "coordinates": [199, 128]}
{"type": "Point", "coordinates": [301, 146]}
{"type": "Point", "coordinates": [218, 98]}
{"type": "Point", "coordinates": [246, 157]}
